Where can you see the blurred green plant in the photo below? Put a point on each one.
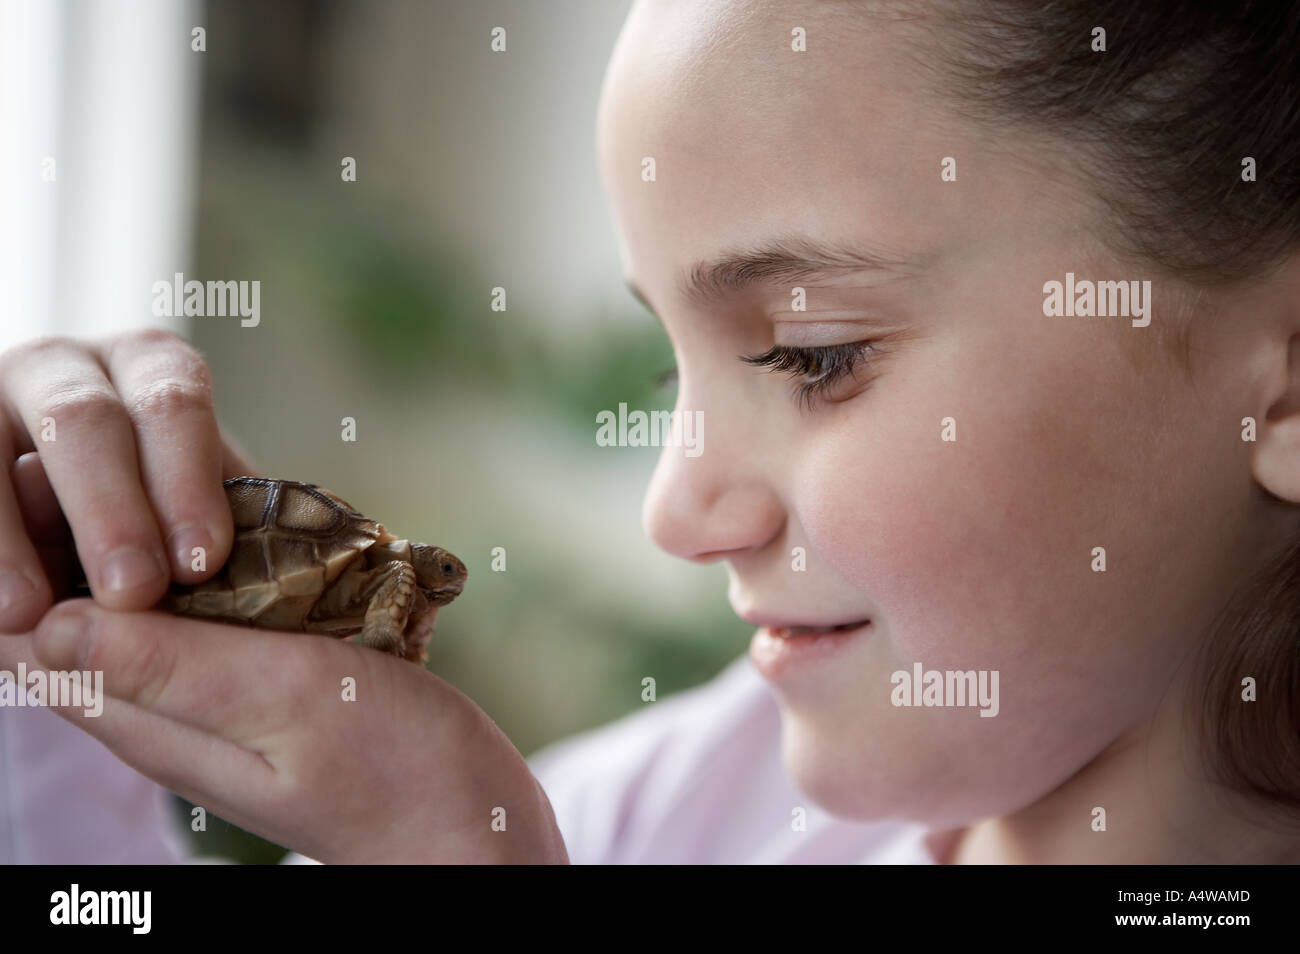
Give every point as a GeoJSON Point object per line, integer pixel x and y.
{"type": "Point", "coordinates": [221, 839]}
{"type": "Point", "coordinates": [411, 306]}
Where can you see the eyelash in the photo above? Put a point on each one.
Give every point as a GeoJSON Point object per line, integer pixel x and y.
{"type": "Point", "coordinates": [830, 364]}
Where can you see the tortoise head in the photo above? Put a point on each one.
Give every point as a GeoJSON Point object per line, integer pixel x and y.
{"type": "Point", "coordinates": [438, 573]}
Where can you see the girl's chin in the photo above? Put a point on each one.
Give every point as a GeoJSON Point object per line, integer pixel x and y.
{"type": "Point", "coordinates": [864, 766]}
{"type": "Point", "coordinates": [839, 790]}
{"type": "Point", "coordinates": [829, 760]}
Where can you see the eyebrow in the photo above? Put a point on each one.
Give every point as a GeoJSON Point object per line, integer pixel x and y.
{"type": "Point", "coordinates": [787, 260]}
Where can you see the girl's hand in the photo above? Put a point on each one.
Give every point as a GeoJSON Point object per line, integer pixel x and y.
{"type": "Point", "coordinates": [337, 751]}
{"type": "Point", "coordinates": [130, 467]}
{"type": "Point", "coordinates": [252, 725]}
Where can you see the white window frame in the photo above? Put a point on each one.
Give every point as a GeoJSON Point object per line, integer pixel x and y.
{"type": "Point", "coordinates": [109, 90]}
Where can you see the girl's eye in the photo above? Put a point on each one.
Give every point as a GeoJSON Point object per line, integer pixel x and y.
{"type": "Point", "coordinates": [817, 370]}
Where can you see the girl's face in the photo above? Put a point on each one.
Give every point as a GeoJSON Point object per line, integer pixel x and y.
{"type": "Point", "coordinates": [970, 554]}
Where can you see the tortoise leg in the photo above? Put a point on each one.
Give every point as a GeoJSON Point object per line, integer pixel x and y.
{"type": "Point", "coordinates": [389, 608]}
{"type": "Point", "coordinates": [418, 630]}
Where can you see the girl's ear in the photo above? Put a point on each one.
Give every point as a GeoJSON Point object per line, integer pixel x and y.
{"type": "Point", "coordinates": [1275, 464]}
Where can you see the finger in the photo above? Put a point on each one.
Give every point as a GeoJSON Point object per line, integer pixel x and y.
{"type": "Point", "coordinates": [222, 776]}
{"type": "Point", "coordinates": [25, 590]}
{"type": "Point", "coordinates": [45, 525]}
{"type": "Point", "coordinates": [49, 531]}
{"type": "Point", "coordinates": [58, 390]}
{"type": "Point", "coordinates": [209, 676]}
{"type": "Point", "coordinates": [166, 389]}
{"type": "Point", "coordinates": [17, 649]}
{"type": "Point", "coordinates": [41, 514]}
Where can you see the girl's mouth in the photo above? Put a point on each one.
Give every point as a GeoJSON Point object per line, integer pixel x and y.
{"type": "Point", "coordinates": [778, 651]}
{"type": "Point", "coordinates": [789, 632]}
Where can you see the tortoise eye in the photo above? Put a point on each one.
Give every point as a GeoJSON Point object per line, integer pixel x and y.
{"type": "Point", "coordinates": [446, 568]}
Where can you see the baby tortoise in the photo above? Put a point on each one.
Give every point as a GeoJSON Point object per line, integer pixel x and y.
{"type": "Point", "coordinates": [304, 559]}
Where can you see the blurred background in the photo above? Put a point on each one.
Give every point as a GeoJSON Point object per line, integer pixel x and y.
{"type": "Point", "coordinates": [475, 428]}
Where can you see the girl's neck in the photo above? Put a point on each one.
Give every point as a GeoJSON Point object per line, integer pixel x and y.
{"type": "Point", "coordinates": [1160, 808]}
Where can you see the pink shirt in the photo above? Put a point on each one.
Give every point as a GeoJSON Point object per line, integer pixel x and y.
{"type": "Point", "coordinates": [694, 778]}
{"type": "Point", "coordinates": [65, 799]}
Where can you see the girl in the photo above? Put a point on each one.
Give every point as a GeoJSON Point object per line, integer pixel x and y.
{"type": "Point", "coordinates": [993, 316]}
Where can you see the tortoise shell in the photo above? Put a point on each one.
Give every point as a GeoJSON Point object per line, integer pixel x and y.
{"type": "Point", "coordinates": [292, 540]}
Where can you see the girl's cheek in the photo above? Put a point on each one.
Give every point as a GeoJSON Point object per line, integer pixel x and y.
{"type": "Point", "coordinates": [953, 548]}
{"type": "Point", "coordinates": [903, 498]}
{"type": "Point", "coordinates": [956, 508]}
{"type": "Point", "coordinates": [987, 550]}
{"type": "Point", "coordinates": [890, 524]}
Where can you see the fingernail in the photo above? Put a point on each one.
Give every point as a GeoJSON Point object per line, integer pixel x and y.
{"type": "Point", "coordinates": [128, 568]}
{"type": "Point", "coordinates": [15, 590]}
{"type": "Point", "coordinates": [188, 539]}
{"type": "Point", "coordinates": [58, 644]}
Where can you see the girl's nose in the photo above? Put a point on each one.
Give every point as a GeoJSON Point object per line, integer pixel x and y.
{"type": "Point", "coordinates": [708, 507]}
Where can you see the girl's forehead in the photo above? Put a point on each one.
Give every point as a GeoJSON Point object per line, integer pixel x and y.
{"type": "Point", "coordinates": [760, 65]}
{"type": "Point", "coordinates": [728, 127]}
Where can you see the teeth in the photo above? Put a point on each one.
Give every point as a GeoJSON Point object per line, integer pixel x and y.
{"type": "Point", "coordinates": [786, 632]}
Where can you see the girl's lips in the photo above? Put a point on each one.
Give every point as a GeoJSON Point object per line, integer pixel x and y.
{"type": "Point", "coordinates": [787, 627]}
{"type": "Point", "coordinates": [778, 651]}
{"type": "Point", "coordinates": [786, 632]}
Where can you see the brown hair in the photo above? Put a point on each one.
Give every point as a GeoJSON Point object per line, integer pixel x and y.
{"type": "Point", "coordinates": [1160, 123]}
